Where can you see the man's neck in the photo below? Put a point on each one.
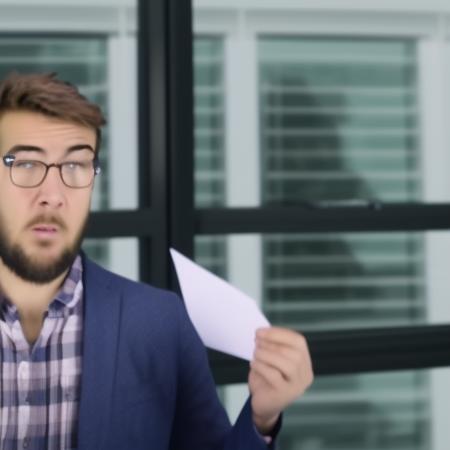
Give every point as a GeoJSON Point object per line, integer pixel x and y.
{"type": "Point", "coordinates": [31, 299]}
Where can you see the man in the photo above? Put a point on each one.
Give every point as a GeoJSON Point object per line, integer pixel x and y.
{"type": "Point", "coordinates": [90, 360]}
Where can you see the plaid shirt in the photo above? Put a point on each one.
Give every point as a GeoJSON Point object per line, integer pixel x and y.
{"type": "Point", "coordinates": [40, 384]}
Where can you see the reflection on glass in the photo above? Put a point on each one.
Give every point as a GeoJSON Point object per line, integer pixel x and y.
{"type": "Point", "coordinates": [211, 253]}
{"type": "Point", "coordinates": [333, 281]}
{"type": "Point", "coordinates": [120, 255]}
{"type": "Point", "coordinates": [320, 282]}
{"type": "Point", "coordinates": [209, 121]}
{"type": "Point", "coordinates": [364, 412]}
{"type": "Point", "coordinates": [338, 119]}
{"type": "Point", "coordinates": [209, 144]}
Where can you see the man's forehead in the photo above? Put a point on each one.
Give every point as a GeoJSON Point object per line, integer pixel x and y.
{"type": "Point", "coordinates": [35, 124]}
{"type": "Point", "coordinates": [33, 129]}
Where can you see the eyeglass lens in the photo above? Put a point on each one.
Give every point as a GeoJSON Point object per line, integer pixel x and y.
{"type": "Point", "coordinates": [27, 173]}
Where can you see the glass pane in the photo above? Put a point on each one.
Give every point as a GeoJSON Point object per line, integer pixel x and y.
{"type": "Point", "coordinates": [371, 411]}
{"type": "Point", "coordinates": [120, 255]}
{"type": "Point", "coordinates": [339, 119]}
{"type": "Point", "coordinates": [288, 119]}
{"type": "Point", "coordinates": [405, 410]}
{"type": "Point", "coordinates": [334, 281]}
{"type": "Point", "coordinates": [360, 280]}
{"type": "Point", "coordinates": [211, 253]}
{"type": "Point", "coordinates": [209, 122]}
{"type": "Point", "coordinates": [209, 144]}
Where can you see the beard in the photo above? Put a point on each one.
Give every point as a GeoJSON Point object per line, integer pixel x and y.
{"type": "Point", "coordinates": [33, 269]}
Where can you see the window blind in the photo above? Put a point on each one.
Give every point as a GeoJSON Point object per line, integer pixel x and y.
{"type": "Point", "coordinates": [339, 122]}
{"type": "Point", "coordinates": [209, 154]}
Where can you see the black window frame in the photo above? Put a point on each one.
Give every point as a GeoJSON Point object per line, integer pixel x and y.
{"type": "Point", "coordinates": [166, 216]}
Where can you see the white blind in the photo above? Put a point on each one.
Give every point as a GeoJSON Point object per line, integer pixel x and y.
{"type": "Point", "coordinates": [341, 111]}
{"type": "Point", "coordinates": [209, 156]}
{"type": "Point", "coordinates": [339, 121]}
{"type": "Point", "coordinates": [335, 281]}
{"type": "Point", "coordinates": [209, 122]}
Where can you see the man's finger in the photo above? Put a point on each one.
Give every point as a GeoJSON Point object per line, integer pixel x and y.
{"type": "Point", "coordinates": [287, 362]}
{"type": "Point", "coordinates": [269, 374]}
{"type": "Point", "coordinates": [282, 336]}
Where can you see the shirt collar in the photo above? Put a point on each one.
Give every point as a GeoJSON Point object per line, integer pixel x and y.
{"type": "Point", "coordinates": [66, 294]}
{"type": "Point", "coordinates": [65, 297]}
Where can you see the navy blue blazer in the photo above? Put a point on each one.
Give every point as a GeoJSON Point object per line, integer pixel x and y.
{"type": "Point", "coordinates": [146, 382]}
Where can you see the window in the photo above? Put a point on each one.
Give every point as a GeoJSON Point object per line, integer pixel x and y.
{"type": "Point", "coordinates": [296, 109]}
{"type": "Point", "coordinates": [319, 120]}
{"type": "Point", "coordinates": [339, 119]}
{"type": "Point", "coordinates": [370, 411]}
{"type": "Point", "coordinates": [338, 122]}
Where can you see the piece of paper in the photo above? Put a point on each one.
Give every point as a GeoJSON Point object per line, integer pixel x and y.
{"type": "Point", "coordinates": [225, 318]}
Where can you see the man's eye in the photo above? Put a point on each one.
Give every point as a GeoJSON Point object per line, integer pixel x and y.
{"type": "Point", "coordinates": [26, 164]}
{"type": "Point", "coordinates": [75, 165]}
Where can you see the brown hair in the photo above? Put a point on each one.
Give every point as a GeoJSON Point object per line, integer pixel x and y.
{"type": "Point", "coordinates": [46, 94]}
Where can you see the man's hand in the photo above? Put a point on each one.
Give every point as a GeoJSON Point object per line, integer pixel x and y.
{"type": "Point", "coordinates": [280, 371]}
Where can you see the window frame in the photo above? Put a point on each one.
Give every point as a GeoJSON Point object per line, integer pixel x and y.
{"type": "Point", "coordinates": [166, 215]}
{"type": "Point", "coordinates": [328, 356]}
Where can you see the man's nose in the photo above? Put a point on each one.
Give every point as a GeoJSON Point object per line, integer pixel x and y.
{"type": "Point", "coordinates": [51, 190]}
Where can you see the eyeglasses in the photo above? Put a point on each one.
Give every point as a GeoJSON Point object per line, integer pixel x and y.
{"type": "Point", "coordinates": [31, 173]}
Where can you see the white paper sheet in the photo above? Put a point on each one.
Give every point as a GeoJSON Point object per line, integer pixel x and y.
{"type": "Point", "coordinates": [225, 318]}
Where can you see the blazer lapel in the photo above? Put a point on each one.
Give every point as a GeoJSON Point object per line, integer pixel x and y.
{"type": "Point", "coordinates": [100, 337]}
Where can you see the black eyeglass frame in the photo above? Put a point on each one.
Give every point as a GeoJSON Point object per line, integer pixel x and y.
{"type": "Point", "coordinates": [9, 159]}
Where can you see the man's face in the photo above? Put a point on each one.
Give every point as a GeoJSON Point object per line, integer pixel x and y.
{"type": "Point", "coordinates": [41, 228]}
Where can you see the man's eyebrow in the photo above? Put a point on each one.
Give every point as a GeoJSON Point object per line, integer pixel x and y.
{"type": "Point", "coordinates": [25, 148]}
{"type": "Point", "coordinates": [34, 148]}
{"type": "Point", "coordinates": [77, 147]}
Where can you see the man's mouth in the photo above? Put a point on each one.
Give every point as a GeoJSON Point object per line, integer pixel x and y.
{"type": "Point", "coordinates": [44, 230]}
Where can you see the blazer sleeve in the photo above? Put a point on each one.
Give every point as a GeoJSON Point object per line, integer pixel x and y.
{"type": "Point", "coordinates": [200, 420]}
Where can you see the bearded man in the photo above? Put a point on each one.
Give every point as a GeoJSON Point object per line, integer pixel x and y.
{"type": "Point", "coordinates": [88, 359]}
